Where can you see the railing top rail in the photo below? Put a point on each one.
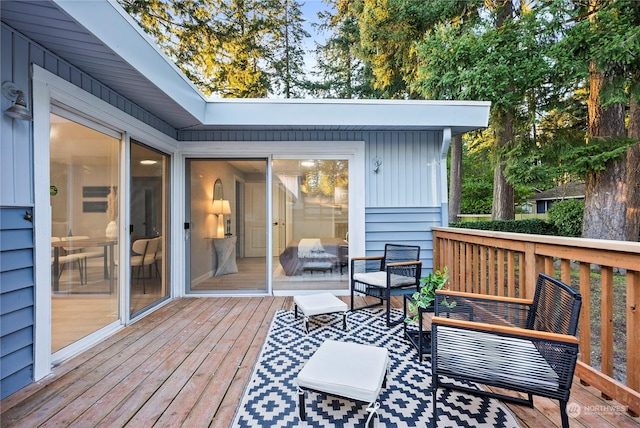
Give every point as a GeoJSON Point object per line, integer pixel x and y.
{"type": "Point", "coordinates": [596, 244]}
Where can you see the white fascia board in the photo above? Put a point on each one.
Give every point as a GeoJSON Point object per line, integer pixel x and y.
{"type": "Point", "coordinates": [110, 23]}
{"type": "Point", "coordinates": [375, 113]}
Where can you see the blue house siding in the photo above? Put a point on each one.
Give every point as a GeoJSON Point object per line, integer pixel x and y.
{"type": "Point", "coordinates": [16, 300]}
{"type": "Point", "coordinates": [408, 226]}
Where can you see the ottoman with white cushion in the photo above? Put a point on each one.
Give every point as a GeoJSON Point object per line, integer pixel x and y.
{"type": "Point", "coordinates": [318, 304]}
{"type": "Point", "coordinates": [349, 370]}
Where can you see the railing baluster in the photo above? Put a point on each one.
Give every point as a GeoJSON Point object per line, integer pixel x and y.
{"type": "Point", "coordinates": [585, 313]}
{"type": "Point", "coordinates": [511, 274]}
{"type": "Point", "coordinates": [500, 266]}
{"type": "Point", "coordinates": [606, 318]}
{"type": "Point", "coordinates": [633, 331]}
{"type": "Point", "coordinates": [484, 282]}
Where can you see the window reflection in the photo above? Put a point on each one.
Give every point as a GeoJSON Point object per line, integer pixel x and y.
{"type": "Point", "coordinates": [311, 212]}
{"type": "Point", "coordinates": [84, 165]}
{"type": "Point", "coordinates": [149, 210]}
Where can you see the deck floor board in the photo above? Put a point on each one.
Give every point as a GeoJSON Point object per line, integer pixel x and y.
{"type": "Point", "coordinates": [187, 364]}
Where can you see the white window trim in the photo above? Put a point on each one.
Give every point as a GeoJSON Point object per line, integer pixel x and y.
{"type": "Point", "coordinates": [354, 151]}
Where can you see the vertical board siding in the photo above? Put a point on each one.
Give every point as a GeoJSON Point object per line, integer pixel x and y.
{"type": "Point", "coordinates": [408, 174]}
{"type": "Point", "coordinates": [16, 162]}
{"type": "Point", "coordinates": [16, 300]}
{"type": "Point", "coordinates": [18, 55]}
{"type": "Point", "coordinates": [408, 226]}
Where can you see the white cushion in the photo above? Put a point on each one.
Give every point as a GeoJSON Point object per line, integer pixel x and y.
{"type": "Point", "coordinates": [316, 304]}
{"type": "Point", "coordinates": [379, 279]}
{"type": "Point", "coordinates": [346, 369]}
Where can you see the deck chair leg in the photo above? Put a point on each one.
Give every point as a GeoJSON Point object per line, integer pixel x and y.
{"type": "Point", "coordinates": [352, 295]}
{"type": "Point", "coordinates": [388, 295]}
{"type": "Point", "coordinates": [434, 400]}
{"type": "Point", "coordinates": [563, 414]}
{"type": "Point", "coordinates": [303, 415]}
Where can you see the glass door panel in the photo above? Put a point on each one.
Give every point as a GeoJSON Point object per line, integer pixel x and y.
{"type": "Point", "coordinates": [149, 224]}
{"type": "Point", "coordinates": [310, 224]}
{"type": "Point", "coordinates": [227, 212]}
{"type": "Point", "coordinates": [84, 170]}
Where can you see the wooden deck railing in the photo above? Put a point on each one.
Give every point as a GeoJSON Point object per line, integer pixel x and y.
{"type": "Point", "coordinates": [607, 273]}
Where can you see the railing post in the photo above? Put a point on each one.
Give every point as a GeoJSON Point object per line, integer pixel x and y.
{"type": "Point", "coordinates": [437, 263]}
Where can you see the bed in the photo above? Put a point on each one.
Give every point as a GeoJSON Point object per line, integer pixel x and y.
{"type": "Point", "coordinates": [313, 254]}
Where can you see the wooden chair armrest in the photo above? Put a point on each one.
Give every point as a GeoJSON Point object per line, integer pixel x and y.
{"type": "Point", "coordinates": [412, 263]}
{"type": "Point", "coordinates": [485, 297]}
{"type": "Point", "coordinates": [368, 258]}
{"type": "Point", "coordinates": [501, 329]}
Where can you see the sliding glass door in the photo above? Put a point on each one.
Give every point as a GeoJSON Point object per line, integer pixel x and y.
{"type": "Point", "coordinates": [84, 171]}
{"type": "Point", "coordinates": [310, 224]}
{"type": "Point", "coordinates": [237, 218]}
{"type": "Point", "coordinates": [149, 213]}
{"type": "Point", "coordinates": [227, 225]}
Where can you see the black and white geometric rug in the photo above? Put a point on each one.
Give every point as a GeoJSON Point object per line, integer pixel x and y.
{"type": "Point", "coordinates": [270, 398]}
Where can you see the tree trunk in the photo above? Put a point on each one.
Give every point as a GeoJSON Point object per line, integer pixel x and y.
{"type": "Point", "coordinates": [503, 206]}
{"type": "Point", "coordinates": [605, 191]}
{"type": "Point", "coordinates": [455, 179]}
{"type": "Point", "coordinates": [633, 173]}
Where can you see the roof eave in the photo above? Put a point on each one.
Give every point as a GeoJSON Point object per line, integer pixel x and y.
{"type": "Point", "coordinates": [110, 23]}
{"type": "Point", "coordinates": [460, 116]}
{"type": "Point", "coordinates": [114, 27]}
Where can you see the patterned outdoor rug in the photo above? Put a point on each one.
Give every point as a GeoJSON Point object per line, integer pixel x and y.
{"type": "Point", "coordinates": [270, 398]}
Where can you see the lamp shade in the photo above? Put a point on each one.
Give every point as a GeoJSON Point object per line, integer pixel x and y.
{"type": "Point", "coordinates": [221, 206]}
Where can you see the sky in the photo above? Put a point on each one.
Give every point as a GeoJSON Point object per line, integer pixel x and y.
{"type": "Point", "coordinates": [310, 9]}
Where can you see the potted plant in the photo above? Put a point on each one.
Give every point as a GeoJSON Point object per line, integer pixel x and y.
{"type": "Point", "coordinates": [424, 298]}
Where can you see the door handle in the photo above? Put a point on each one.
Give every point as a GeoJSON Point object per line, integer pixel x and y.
{"type": "Point", "coordinates": [275, 224]}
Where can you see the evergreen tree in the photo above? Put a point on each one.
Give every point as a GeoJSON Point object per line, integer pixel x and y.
{"type": "Point", "coordinates": [339, 72]}
{"type": "Point", "coordinates": [285, 54]}
{"type": "Point", "coordinates": [608, 39]}
{"type": "Point", "coordinates": [187, 31]}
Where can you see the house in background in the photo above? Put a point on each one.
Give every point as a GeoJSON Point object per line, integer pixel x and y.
{"type": "Point", "coordinates": [128, 188]}
{"type": "Point", "coordinates": [542, 201]}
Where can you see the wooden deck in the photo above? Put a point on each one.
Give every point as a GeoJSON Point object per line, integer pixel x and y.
{"type": "Point", "coordinates": [187, 364]}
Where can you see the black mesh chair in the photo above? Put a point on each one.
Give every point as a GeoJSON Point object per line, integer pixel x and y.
{"type": "Point", "coordinates": [526, 346]}
{"type": "Point", "coordinates": [381, 277]}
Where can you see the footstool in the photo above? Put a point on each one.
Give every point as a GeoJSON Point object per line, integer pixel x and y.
{"type": "Point", "coordinates": [348, 370]}
{"type": "Point", "coordinates": [318, 304]}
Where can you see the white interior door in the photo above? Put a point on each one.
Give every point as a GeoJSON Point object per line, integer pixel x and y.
{"type": "Point", "coordinates": [255, 239]}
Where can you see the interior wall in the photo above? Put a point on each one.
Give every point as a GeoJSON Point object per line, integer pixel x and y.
{"type": "Point", "coordinates": [203, 223]}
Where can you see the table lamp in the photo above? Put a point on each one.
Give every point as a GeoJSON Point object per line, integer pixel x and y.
{"type": "Point", "coordinates": [220, 208]}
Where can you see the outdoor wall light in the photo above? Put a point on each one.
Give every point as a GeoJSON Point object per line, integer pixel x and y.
{"type": "Point", "coordinates": [19, 108]}
{"type": "Point", "coordinates": [376, 164]}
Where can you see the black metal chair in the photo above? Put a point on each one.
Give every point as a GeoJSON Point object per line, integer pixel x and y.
{"type": "Point", "coordinates": [381, 277]}
{"type": "Point", "coordinates": [521, 345]}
